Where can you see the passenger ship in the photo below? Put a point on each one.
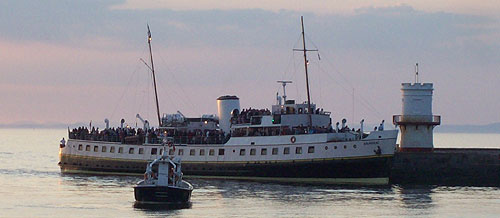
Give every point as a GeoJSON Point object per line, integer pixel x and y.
{"type": "Point", "coordinates": [292, 142]}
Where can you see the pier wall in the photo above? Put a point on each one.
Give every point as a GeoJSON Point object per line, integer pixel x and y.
{"type": "Point", "coordinates": [452, 166]}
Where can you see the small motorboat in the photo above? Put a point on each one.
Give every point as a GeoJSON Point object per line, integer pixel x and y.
{"type": "Point", "coordinates": [163, 183]}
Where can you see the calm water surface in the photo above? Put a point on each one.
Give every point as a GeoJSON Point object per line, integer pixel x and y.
{"type": "Point", "coordinates": [32, 186]}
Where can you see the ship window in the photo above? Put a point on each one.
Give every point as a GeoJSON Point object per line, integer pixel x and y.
{"type": "Point", "coordinates": [120, 150]}
{"type": "Point", "coordinates": [171, 152]}
{"type": "Point", "coordinates": [161, 151]}
{"type": "Point", "coordinates": [310, 149]}
{"type": "Point", "coordinates": [202, 152]}
{"type": "Point", "coordinates": [131, 150]}
{"type": "Point", "coordinates": [211, 152]}
{"type": "Point", "coordinates": [80, 147]}
{"type": "Point", "coordinates": [275, 151]}
{"type": "Point", "coordinates": [96, 148]}
{"type": "Point", "coordinates": [263, 151]}
{"type": "Point", "coordinates": [335, 147]}
{"type": "Point", "coordinates": [286, 150]}
{"type": "Point", "coordinates": [181, 152]}
{"type": "Point", "coordinates": [242, 152]}
{"type": "Point", "coordinates": [354, 146]}
{"type": "Point", "coordinates": [141, 150]}
{"type": "Point", "coordinates": [87, 148]}
{"type": "Point", "coordinates": [192, 152]}
{"type": "Point", "coordinates": [112, 149]}
{"type": "Point", "coordinates": [345, 146]}
{"type": "Point", "coordinates": [103, 149]}
{"type": "Point", "coordinates": [298, 150]}
{"type": "Point", "coordinates": [154, 151]}
{"type": "Point", "coordinates": [252, 151]}
{"type": "Point", "coordinates": [221, 151]}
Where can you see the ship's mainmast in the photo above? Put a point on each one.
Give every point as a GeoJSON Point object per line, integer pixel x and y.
{"type": "Point", "coordinates": [306, 62]}
{"type": "Point", "coordinates": [154, 77]}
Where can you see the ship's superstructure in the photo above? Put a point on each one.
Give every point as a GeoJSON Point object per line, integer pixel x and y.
{"type": "Point", "coordinates": [293, 142]}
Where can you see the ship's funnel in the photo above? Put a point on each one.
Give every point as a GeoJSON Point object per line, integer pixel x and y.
{"type": "Point", "coordinates": [226, 106]}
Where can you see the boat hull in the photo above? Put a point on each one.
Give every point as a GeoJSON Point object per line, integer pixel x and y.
{"type": "Point", "coordinates": [311, 158]}
{"type": "Point", "coordinates": [362, 170]}
{"type": "Point", "coordinates": [162, 194]}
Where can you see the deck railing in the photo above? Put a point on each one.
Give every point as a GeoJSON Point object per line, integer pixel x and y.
{"type": "Point", "coordinates": [416, 119]}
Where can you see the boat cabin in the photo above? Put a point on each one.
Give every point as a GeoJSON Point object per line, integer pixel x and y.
{"type": "Point", "coordinates": [164, 171]}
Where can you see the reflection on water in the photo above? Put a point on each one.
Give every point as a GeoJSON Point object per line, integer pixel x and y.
{"type": "Point", "coordinates": [155, 207]}
{"type": "Point", "coordinates": [289, 193]}
{"type": "Point", "coordinates": [93, 182]}
{"type": "Point", "coordinates": [416, 197]}
{"type": "Point", "coordinates": [234, 198]}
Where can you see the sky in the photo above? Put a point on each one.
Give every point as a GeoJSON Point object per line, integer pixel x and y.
{"type": "Point", "coordinates": [80, 61]}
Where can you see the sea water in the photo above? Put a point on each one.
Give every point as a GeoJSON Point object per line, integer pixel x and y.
{"type": "Point", "coordinates": [31, 185]}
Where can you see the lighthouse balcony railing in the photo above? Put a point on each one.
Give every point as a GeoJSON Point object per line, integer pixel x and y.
{"type": "Point", "coordinates": [417, 119]}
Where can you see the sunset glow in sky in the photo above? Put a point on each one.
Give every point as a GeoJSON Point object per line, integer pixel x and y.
{"type": "Point", "coordinates": [76, 61]}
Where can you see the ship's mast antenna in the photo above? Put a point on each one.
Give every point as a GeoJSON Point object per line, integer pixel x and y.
{"type": "Point", "coordinates": [416, 73]}
{"type": "Point", "coordinates": [306, 62]}
{"type": "Point", "coordinates": [154, 77]}
{"type": "Point", "coordinates": [283, 83]}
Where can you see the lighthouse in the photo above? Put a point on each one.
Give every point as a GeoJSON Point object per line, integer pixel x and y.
{"type": "Point", "coordinates": [416, 121]}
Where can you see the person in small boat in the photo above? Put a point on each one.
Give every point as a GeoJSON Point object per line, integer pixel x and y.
{"type": "Point", "coordinates": [171, 175]}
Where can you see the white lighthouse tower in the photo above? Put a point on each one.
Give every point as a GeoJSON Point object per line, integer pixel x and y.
{"type": "Point", "coordinates": [417, 121]}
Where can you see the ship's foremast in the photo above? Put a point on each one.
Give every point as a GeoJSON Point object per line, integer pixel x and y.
{"type": "Point", "coordinates": [154, 77]}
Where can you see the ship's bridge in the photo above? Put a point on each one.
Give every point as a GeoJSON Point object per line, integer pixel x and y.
{"type": "Point", "coordinates": [284, 119]}
{"type": "Point", "coordinates": [291, 114]}
{"type": "Point", "coordinates": [291, 108]}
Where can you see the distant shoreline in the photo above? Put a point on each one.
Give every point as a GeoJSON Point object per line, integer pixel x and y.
{"type": "Point", "coordinates": [488, 128]}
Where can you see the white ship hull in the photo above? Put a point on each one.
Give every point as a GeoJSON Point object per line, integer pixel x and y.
{"type": "Point", "coordinates": [290, 158]}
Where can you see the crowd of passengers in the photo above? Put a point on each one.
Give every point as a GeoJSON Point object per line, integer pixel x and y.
{"type": "Point", "coordinates": [198, 136]}
{"type": "Point", "coordinates": [285, 130]}
{"type": "Point", "coordinates": [110, 134]}
{"type": "Point", "coordinates": [130, 135]}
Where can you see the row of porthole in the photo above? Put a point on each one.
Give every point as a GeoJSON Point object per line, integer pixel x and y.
{"type": "Point", "coordinates": [335, 147]}
{"type": "Point", "coordinates": [108, 166]}
{"type": "Point", "coordinates": [111, 149]}
{"type": "Point", "coordinates": [286, 150]}
{"type": "Point", "coordinates": [274, 151]}
{"type": "Point", "coordinates": [253, 151]}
